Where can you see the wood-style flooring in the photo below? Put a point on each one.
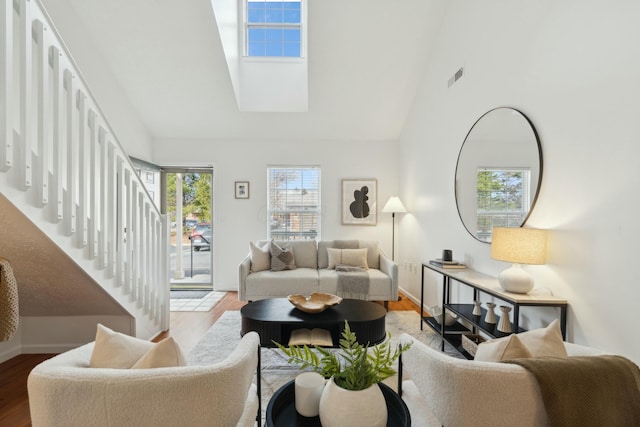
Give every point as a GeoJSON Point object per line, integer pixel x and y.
{"type": "Point", "coordinates": [187, 328]}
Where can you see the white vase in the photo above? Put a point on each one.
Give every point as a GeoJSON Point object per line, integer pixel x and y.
{"type": "Point", "coordinates": [504, 325]}
{"type": "Point", "coordinates": [491, 315]}
{"type": "Point", "coordinates": [349, 408]}
{"type": "Point", "coordinates": [477, 311]}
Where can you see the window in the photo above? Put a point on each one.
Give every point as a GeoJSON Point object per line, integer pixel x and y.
{"type": "Point", "coordinates": [274, 28]}
{"type": "Point", "coordinates": [293, 204]}
{"type": "Point", "coordinates": [503, 198]}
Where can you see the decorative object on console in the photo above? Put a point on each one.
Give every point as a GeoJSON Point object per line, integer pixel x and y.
{"type": "Point", "coordinates": [491, 315]}
{"type": "Point", "coordinates": [477, 311]}
{"type": "Point", "coordinates": [449, 317]}
{"type": "Point", "coordinates": [519, 246]}
{"type": "Point", "coordinates": [394, 205]}
{"type": "Point", "coordinates": [359, 201]}
{"type": "Point", "coordinates": [316, 303]}
{"type": "Point", "coordinates": [505, 324]}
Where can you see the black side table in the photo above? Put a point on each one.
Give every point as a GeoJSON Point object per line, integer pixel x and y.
{"type": "Point", "coordinates": [281, 410]}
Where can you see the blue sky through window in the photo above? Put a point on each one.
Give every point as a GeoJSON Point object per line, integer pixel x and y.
{"type": "Point", "coordinates": [274, 28]}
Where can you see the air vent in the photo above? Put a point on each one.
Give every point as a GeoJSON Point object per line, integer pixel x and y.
{"type": "Point", "coordinates": [457, 76]}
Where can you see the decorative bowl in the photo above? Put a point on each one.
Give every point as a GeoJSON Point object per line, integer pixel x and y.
{"type": "Point", "coordinates": [317, 302]}
{"type": "Point", "coordinates": [449, 317]}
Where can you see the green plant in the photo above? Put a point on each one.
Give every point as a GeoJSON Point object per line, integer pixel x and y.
{"type": "Point", "coordinates": [354, 366]}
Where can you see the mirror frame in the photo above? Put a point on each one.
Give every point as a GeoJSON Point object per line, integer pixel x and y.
{"type": "Point", "coordinates": [538, 184]}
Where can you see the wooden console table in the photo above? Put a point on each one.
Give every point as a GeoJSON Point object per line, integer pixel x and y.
{"type": "Point", "coordinates": [481, 284]}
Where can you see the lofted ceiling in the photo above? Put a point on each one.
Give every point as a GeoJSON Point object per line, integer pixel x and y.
{"type": "Point", "coordinates": [365, 61]}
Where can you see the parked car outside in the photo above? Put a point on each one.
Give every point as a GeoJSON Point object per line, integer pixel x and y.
{"type": "Point", "coordinates": [201, 236]}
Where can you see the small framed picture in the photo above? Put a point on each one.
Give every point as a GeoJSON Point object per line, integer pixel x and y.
{"type": "Point", "coordinates": [359, 201]}
{"type": "Point", "coordinates": [242, 189]}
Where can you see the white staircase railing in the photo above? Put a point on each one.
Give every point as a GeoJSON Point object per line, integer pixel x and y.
{"type": "Point", "coordinates": [57, 147]}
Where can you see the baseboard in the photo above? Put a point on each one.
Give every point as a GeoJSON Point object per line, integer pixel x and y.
{"type": "Point", "coordinates": [10, 353]}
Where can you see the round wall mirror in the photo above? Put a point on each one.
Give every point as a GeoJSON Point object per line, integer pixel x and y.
{"type": "Point", "coordinates": [498, 173]}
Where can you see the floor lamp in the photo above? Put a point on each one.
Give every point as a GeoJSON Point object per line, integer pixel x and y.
{"type": "Point", "coordinates": [394, 205]}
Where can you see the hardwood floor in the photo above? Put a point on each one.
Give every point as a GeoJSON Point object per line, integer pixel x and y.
{"type": "Point", "coordinates": [187, 328]}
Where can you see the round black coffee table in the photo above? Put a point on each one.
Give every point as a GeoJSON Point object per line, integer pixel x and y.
{"type": "Point", "coordinates": [281, 410]}
{"type": "Point", "coordinates": [274, 319]}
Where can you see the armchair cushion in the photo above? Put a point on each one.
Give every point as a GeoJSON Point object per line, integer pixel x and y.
{"type": "Point", "coordinates": [164, 354]}
{"type": "Point", "coordinates": [506, 348]}
{"type": "Point", "coordinates": [117, 350]}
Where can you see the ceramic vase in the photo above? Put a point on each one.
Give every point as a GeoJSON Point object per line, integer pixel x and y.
{"type": "Point", "coordinates": [504, 325]}
{"type": "Point", "coordinates": [477, 311]}
{"type": "Point", "coordinates": [349, 408]}
{"type": "Point", "coordinates": [491, 315]}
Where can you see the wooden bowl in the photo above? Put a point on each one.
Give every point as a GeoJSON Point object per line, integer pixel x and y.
{"type": "Point", "coordinates": [317, 302]}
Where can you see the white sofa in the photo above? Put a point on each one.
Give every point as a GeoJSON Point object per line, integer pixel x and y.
{"type": "Point", "coordinates": [459, 392]}
{"type": "Point", "coordinates": [312, 275]}
{"type": "Point", "coordinates": [65, 391]}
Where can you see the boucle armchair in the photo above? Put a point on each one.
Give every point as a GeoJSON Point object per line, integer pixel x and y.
{"type": "Point", "coordinates": [463, 392]}
{"type": "Point", "coordinates": [64, 391]}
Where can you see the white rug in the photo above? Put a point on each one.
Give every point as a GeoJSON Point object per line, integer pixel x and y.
{"type": "Point", "coordinates": [224, 335]}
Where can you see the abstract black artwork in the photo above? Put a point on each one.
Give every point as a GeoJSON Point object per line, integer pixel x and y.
{"type": "Point", "coordinates": [359, 202]}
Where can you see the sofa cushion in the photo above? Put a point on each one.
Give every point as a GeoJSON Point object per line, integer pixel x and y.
{"type": "Point", "coordinates": [545, 341]}
{"type": "Point", "coordinates": [164, 354]}
{"type": "Point", "coordinates": [281, 258]}
{"type": "Point", "coordinates": [260, 256]}
{"type": "Point", "coordinates": [506, 348]}
{"type": "Point", "coordinates": [117, 350]}
{"type": "Point", "coordinates": [323, 257]}
{"type": "Point", "coordinates": [264, 284]}
{"type": "Point", "coordinates": [304, 252]}
{"type": "Point", "coordinates": [373, 253]}
{"type": "Point", "coordinates": [350, 257]}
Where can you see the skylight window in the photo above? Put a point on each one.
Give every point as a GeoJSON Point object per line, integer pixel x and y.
{"type": "Point", "coordinates": [274, 28]}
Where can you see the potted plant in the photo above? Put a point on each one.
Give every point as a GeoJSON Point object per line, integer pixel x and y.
{"type": "Point", "coordinates": [354, 372]}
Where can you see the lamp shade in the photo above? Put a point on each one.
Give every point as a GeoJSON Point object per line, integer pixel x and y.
{"type": "Point", "coordinates": [519, 245]}
{"type": "Point", "coordinates": [394, 205]}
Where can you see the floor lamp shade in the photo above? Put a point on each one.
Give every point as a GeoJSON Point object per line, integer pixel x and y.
{"type": "Point", "coordinates": [393, 206]}
{"type": "Point", "coordinates": [519, 246]}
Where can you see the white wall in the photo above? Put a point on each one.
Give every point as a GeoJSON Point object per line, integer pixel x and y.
{"type": "Point", "coordinates": [572, 67]}
{"type": "Point", "coordinates": [236, 222]}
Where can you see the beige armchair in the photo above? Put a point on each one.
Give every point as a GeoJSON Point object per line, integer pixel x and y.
{"type": "Point", "coordinates": [64, 391]}
{"type": "Point", "coordinates": [461, 392]}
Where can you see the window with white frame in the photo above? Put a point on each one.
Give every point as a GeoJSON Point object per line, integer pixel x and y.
{"type": "Point", "coordinates": [273, 28]}
{"type": "Point", "coordinates": [293, 205]}
{"type": "Point", "coordinates": [503, 198]}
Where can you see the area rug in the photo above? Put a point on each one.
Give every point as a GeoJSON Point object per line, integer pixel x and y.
{"type": "Point", "coordinates": [224, 335]}
{"type": "Point", "coordinates": [203, 303]}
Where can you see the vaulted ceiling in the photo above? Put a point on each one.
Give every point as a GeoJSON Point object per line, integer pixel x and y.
{"type": "Point", "coordinates": [366, 58]}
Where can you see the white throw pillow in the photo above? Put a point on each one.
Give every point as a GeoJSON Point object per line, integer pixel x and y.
{"type": "Point", "coordinates": [164, 354]}
{"type": "Point", "coordinates": [117, 350]}
{"type": "Point", "coordinates": [501, 349]}
{"type": "Point", "coordinates": [260, 257]}
{"type": "Point", "coordinates": [350, 257]}
{"type": "Point", "coordinates": [545, 341]}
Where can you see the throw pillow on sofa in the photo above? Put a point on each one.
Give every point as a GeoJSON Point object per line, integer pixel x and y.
{"type": "Point", "coordinates": [349, 257]}
{"type": "Point", "coordinates": [260, 257]}
{"type": "Point", "coordinates": [281, 258]}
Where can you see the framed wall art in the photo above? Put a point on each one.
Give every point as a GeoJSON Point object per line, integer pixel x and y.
{"type": "Point", "coordinates": [242, 189]}
{"type": "Point", "coordinates": [359, 202]}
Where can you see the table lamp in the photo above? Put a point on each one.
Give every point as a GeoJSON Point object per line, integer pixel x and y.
{"type": "Point", "coordinates": [519, 246]}
{"type": "Point", "coordinates": [394, 205]}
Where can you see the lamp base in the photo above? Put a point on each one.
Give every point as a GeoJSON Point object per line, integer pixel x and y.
{"type": "Point", "coordinates": [516, 280]}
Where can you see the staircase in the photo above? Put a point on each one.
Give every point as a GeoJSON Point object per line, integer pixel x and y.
{"type": "Point", "coordinates": [62, 166]}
